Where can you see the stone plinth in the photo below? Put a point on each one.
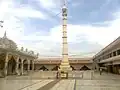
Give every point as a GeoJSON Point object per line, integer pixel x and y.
{"type": "Point", "coordinates": [64, 70]}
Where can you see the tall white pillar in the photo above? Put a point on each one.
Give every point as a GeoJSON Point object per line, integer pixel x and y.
{"type": "Point", "coordinates": [65, 62]}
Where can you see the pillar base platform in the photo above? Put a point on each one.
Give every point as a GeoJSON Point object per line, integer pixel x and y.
{"type": "Point", "coordinates": [63, 72]}
{"type": "Point", "coordinates": [62, 75]}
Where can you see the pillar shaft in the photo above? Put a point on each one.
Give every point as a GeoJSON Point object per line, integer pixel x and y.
{"type": "Point", "coordinates": [28, 67]}
{"type": "Point", "coordinates": [33, 65]}
{"type": "Point", "coordinates": [65, 44]}
{"type": "Point", "coordinates": [97, 66]}
{"type": "Point", "coordinates": [6, 64]}
{"type": "Point", "coordinates": [17, 64]}
{"type": "Point", "coordinates": [22, 67]}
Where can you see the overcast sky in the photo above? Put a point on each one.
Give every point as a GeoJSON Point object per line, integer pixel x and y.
{"type": "Point", "coordinates": [37, 25]}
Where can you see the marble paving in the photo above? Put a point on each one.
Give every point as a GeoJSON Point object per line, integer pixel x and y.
{"type": "Point", "coordinates": [90, 81]}
{"type": "Point", "coordinates": [16, 84]}
{"type": "Point", "coordinates": [64, 85]}
{"type": "Point", "coordinates": [97, 85]}
{"type": "Point", "coordinates": [22, 83]}
{"type": "Point", "coordinates": [37, 85]}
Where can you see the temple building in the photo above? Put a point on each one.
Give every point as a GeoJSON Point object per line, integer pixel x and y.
{"type": "Point", "coordinates": [14, 61]}
{"type": "Point", "coordinates": [109, 58]}
{"type": "Point", "coordinates": [19, 62]}
{"type": "Point", "coordinates": [53, 63]}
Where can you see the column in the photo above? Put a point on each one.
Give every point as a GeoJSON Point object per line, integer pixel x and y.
{"type": "Point", "coordinates": [22, 66]}
{"type": "Point", "coordinates": [28, 67]}
{"type": "Point", "coordinates": [97, 66]}
{"type": "Point", "coordinates": [17, 64]}
{"type": "Point", "coordinates": [93, 65]}
{"type": "Point", "coordinates": [32, 65]}
{"type": "Point", "coordinates": [117, 69]}
{"type": "Point", "coordinates": [6, 64]}
{"type": "Point", "coordinates": [112, 53]}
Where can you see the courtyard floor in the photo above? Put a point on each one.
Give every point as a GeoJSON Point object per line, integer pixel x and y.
{"type": "Point", "coordinates": [89, 80]}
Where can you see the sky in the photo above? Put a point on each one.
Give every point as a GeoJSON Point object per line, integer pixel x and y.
{"type": "Point", "coordinates": [37, 25]}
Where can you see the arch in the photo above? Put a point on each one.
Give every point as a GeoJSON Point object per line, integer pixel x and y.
{"type": "Point", "coordinates": [2, 56]}
{"type": "Point", "coordinates": [2, 63]}
{"type": "Point", "coordinates": [19, 63]}
{"type": "Point", "coordinates": [25, 64]}
{"type": "Point", "coordinates": [11, 66]}
{"type": "Point", "coordinates": [43, 68]}
{"type": "Point", "coordinates": [72, 68]}
{"type": "Point", "coordinates": [31, 62]}
{"type": "Point", "coordinates": [84, 68]}
{"type": "Point", "coordinates": [55, 68]}
{"type": "Point", "coordinates": [95, 68]}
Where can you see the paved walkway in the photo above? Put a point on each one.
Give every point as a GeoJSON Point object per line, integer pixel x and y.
{"type": "Point", "coordinates": [15, 84]}
{"type": "Point", "coordinates": [64, 85]}
{"type": "Point", "coordinates": [49, 85]}
{"type": "Point", "coordinates": [22, 83]}
{"type": "Point", "coordinates": [36, 86]}
{"type": "Point", "coordinates": [89, 81]}
{"type": "Point", "coordinates": [97, 85]}
{"type": "Point", "coordinates": [105, 76]}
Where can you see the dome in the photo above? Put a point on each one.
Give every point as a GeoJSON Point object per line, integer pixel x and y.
{"type": "Point", "coordinates": [7, 43]}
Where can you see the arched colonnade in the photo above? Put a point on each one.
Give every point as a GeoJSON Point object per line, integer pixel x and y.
{"type": "Point", "coordinates": [13, 64]}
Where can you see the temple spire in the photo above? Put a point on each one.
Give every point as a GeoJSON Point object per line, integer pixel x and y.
{"type": "Point", "coordinates": [5, 36]}
{"type": "Point", "coordinates": [64, 2]}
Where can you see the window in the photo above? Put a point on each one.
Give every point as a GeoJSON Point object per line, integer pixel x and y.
{"type": "Point", "coordinates": [114, 53]}
{"type": "Point", "coordinates": [103, 57]}
{"type": "Point", "coordinates": [110, 54]}
{"type": "Point", "coordinates": [118, 52]}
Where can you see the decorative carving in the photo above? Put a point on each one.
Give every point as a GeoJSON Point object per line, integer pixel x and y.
{"type": "Point", "coordinates": [37, 54]}
{"type": "Point", "coordinates": [9, 57]}
{"type": "Point", "coordinates": [7, 43]}
{"type": "Point", "coordinates": [22, 49]}
{"type": "Point", "coordinates": [26, 50]}
{"type": "Point", "coordinates": [15, 57]}
{"type": "Point", "coordinates": [32, 52]}
{"type": "Point", "coordinates": [2, 56]}
{"type": "Point", "coordinates": [12, 46]}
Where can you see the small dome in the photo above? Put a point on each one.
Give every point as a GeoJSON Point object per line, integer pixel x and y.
{"type": "Point", "coordinates": [7, 43]}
